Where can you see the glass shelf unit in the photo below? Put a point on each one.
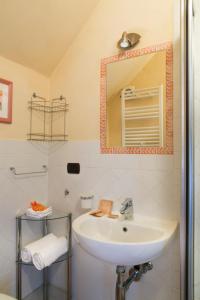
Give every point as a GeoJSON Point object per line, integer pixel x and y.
{"type": "Point", "coordinates": [54, 216]}
{"type": "Point", "coordinates": [60, 259]}
{"type": "Point", "coordinates": [45, 291]}
{"type": "Point", "coordinates": [54, 293]}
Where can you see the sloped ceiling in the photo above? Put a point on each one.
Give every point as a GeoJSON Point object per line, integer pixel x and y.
{"type": "Point", "coordinates": [36, 33]}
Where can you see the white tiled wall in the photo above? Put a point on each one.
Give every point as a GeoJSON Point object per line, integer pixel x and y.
{"type": "Point", "coordinates": [153, 183]}
{"type": "Point", "coordinates": [16, 194]}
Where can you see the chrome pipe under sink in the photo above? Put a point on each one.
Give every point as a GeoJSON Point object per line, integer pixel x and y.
{"type": "Point", "coordinates": [135, 274]}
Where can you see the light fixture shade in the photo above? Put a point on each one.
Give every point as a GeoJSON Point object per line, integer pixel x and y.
{"type": "Point", "coordinates": [128, 40]}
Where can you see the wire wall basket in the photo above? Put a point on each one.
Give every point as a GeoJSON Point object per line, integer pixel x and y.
{"type": "Point", "coordinates": [47, 119]}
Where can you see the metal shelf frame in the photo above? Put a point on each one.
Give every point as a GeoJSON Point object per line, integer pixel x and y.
{"type": "Point", "coordinates": [67, 257]}
{"type": "Point", "coordinates": [47, 107]}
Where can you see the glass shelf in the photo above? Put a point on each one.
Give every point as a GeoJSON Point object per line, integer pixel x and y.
{"type": "Point", "coordinates": [47, 137]}
{"type": "Point", "coordinates": [59, 260]}
{"type": "Point", "coordinates": [54, 216]}
{"type": "Point", "coordinates": [53, 293]}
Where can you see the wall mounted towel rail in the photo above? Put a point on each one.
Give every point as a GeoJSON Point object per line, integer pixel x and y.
{"type": "Point", "coordinates": [44, 171]}
{"type": "Point", "coordinates": [146, 127]}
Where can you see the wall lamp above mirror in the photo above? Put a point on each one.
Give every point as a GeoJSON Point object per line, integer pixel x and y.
{"type": "Point", "coordinates": [128, 41]}
{"type": "Point", "coordinates": [137, 101]}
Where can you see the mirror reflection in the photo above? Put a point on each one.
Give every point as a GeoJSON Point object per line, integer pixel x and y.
{"type": "Point", "coordinates": [136, 101]}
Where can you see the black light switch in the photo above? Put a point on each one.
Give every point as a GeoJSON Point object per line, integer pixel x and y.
{"type": "Point", "coordinates": [73, 168]}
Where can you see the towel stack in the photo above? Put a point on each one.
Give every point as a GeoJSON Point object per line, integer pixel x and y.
{"type": "Point", "coordinates": [44, 251]}
{"type": "Point", "coordinates": [38, 210]}
{"type": "Point", "coordinates": [39, 214]}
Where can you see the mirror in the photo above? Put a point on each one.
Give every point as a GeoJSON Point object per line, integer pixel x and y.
{"type": "Point", "coordinates": [137, 101]}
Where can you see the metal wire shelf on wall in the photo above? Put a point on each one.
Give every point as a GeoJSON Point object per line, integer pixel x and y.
{"type": "Point", "coordinates": [48, 110]}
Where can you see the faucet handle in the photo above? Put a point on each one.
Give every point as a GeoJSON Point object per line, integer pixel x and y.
{"type": "Point", "coordinates": [127, 209]}
{"type": "Point", "coordinates": [128, 201]}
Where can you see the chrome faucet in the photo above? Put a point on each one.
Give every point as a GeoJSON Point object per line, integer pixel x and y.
{"type": "Point", "coordinates": [127, 209]}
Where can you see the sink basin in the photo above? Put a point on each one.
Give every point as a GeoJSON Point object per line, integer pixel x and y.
{"type": "Point", "coordinates": [123, 242]}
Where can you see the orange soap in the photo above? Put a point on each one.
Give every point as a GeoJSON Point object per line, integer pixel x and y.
{"type": "Point", "coordinates": [36, 206]}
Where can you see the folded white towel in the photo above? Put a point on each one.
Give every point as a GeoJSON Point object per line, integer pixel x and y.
{"type": "Point", "coordinates": [46, 256]}
{"type": "Point", "coordinates": [28, 251]}
{"type": "Point", "coordinates": [39, 214]}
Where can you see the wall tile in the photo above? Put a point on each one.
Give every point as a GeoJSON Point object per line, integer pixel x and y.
{"type": "Point", "coordinates": [15, 195]}
{"type": "Point", "coordinates": [153, 184]}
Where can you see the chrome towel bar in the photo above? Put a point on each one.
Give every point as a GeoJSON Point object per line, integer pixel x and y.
{"type": "Point", "coordinates": [13, 170]}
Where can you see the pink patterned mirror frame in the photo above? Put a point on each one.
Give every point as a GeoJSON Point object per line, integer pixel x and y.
{"type": "Point", "coordinates": [168, 147]}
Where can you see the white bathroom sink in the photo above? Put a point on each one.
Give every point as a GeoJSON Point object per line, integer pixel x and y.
{"type": "Point", "coordinates": [123, 242]}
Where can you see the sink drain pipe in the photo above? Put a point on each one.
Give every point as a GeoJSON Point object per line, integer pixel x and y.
{"type": "Point", "coordinates": [135, 273]}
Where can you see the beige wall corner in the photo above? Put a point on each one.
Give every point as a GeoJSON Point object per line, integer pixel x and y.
{"type": "Point", "coordinates": [25, 82]}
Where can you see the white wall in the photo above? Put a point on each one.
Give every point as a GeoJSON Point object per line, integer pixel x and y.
{"type": "Point", "coordinates": [152, 181]}
{"type": "Point", "coordinates": [16, 194]}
